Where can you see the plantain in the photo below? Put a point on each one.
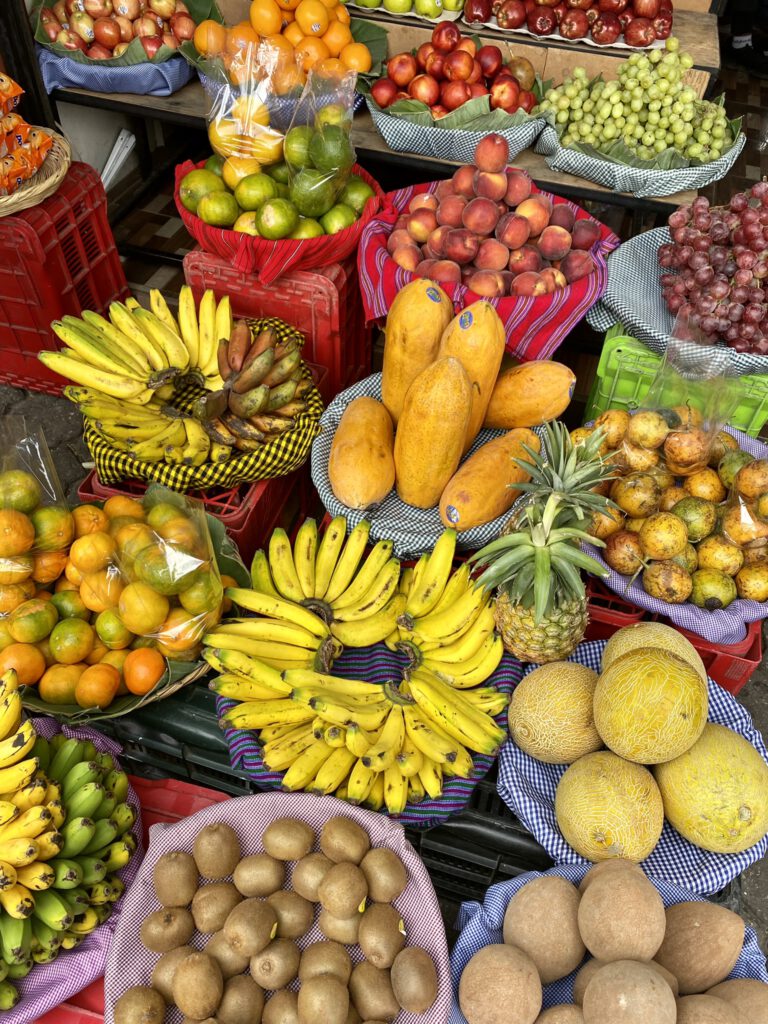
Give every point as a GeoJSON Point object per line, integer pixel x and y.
{"type": "Point", "coordinates": [264, 339]}
{"type": "Point", "coordinates": [253, 375]}
{"type": "Point", "coordinates": [282, 348]}
{"type": "Point", "coordinates": [249, 404]}
{"type": "Point", "coordinates": [294, 408]}
{"type": "Point", "coordinates": [219, 432]}
{"type": "Point", "coordinates": [303, 387]}
{"type": "Point", "coordinates": [225, 370]}
{"type": "Point", "coordinates": [211, 405]}
{"type": "Point", "coordinates": [272, 424]}
{"type": "Point", "coordinates": [281, 395]}
{"type": "Point", "coordinates": [282, 370]}
{"type": "Point", "coordinates": [239, 343]}
{"type": "Point", "coordinates": [242, 428]}
{"type": "Point", "coordinates": [244, 444]}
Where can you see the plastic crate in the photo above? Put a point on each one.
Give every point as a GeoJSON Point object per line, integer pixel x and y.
{"type": "Point", "coordinates": [324, 304]}
{"type": "Point", "coordinates": [608, 612]}
{"type": "Point", "coordinates": [730, 666]}
{"type": "Point", "coordinates": [626, 371]}
{"type": "Point", "coordinates": [57, 257]}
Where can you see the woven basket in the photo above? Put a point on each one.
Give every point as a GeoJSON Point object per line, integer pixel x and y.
{"type": "Point", "coordinates": [42, 184]}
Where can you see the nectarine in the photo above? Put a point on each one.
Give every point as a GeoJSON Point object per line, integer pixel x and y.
{"type": "Point", "coordinates": [461, 245]}
{"type": "Point", "coordinates": [487, 283]}
{"type": "Point", "coordinates": [450, 210]}
{"type": "Point", "coordinates": [492, 154]}
{"type": "Point", "coordinates": [529, 283]}
{"type": "Point", "coordinates": [513, 230]}
{"type": "Point", "coordinates": [554, 243]}
{"type": "Point", "coordinates": [492, 255]}
{"type": "Point", "coordinates": [480, 216]}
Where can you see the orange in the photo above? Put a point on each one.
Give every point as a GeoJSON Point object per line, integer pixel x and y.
{"type": "Point", "coordinates": [111, 631]}
{"type": "Point", "coordinates": [97, 686]}
{"type": "Point", "coordinates": [43, 595]}
{"type": "Point", "coordinates": [356, 57]}
{"type": "Point", "coordinates": [26, 660]}
{"type": "Point", "coordinates": [238, 167]}
{"type": "Point", "coordinates": [337, 37]}
{"type": "Point", "coordinates": [98, 652]}
{"type": "Point", "coordinates": [141, 609]}
{"type": "Point", "coordinates": [286, 79]}
{"type": "Point", "coordinates": [293, 33]}
{"type": "Point", "coordinates": [32, 621]}
{"type": "Point", "coordinates": [54, 528]}
{"type": "Point", "coordinates": [69, 605]}
{"type": "Point", "coordinates": [181, 631]}
{"type": "Point", "coordinates": [133, 537]}
{"type": "Point", "coordinates": [117, 659]}
{"type": "Point", "coordinates": [28, 587]}
{"type": "Point", "coordinates": [143, 669]}
{"type": "Point", "coordinates": [47, 566]}
{"type": "Point", "coordinates": [44, 646]}
{"type": "Point", "coordinates": [247, 110]}
{"type": "Point", "coordinates": [227, 581]}
{"type": "Point", "coordinates": [210, 38]}
{"type": "Point", "coordinates": [11, 596]}
{"type": "Point", "coordinates": [282, 45]}
{"type": "Point", "coordinates": [91, 553]}
{"type": "Point", "coordinates": [340, 13]}
{"type": "Point", "coordinates": [101, 590]}
{"type": "Point", "coordinates": [89, 519]}
{"type": "Point", "coordinates": [65, 584]}
{"type": "Point", "coordinates": [19, 490]}
{"type": "Point", "coordinates": [312, 17]}
{"type": "Point", "coordinates": [266, 17]}
{"type": "Point", "coordinates": [203, 596]}
{"type": "Point", "coordinates": [310, 50]}
{"type": "Point", "coordinates": [241, 36]}
{"type": "Point", "coordinates": [16, 569]}
{"type": "Point", "coordinates": [330, 67]}
{"type": "Point", "coordinates": [119, 505]}
{"type": "Point", "coordinates": [59, 682]}
{"type": "Point", "coordinates": [288, 5]}
{"type": "Point", "coordinates": [17, 534]}
{"type": "Point", "coordinates": [289, 17]}
{"type": "Point", "coordinates": [71, 641]}
{"type": "Point", "coordinates": [5, 637]}
{"type": "Point", "coordinates": [72, 574]}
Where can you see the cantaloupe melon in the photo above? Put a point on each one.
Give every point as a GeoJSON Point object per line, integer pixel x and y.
{"type": "Point", "coordinates": [716, 793]}
{"type": "Point", "coordinates": [608, 807]}
{"type": "Point", "coordinates": [650, 706]}
{"type": "Point", "coordinates": [652, 634]}
{"type": "Point", "coordinates": [550, 715]}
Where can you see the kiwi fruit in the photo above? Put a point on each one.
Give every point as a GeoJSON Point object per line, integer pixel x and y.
{"type": "Point", "coordinates": [325, 958]}
{"type": "Point", "coordinates": [259, 875]}
{"type": "Point", "coordinates": [414, 979]}
{"type": "Point", "coordinates": [176, 879]}
{"type": "Point", "coordinates": [324, 999]}
{"type": "Point", "coordinates": [288, 839]}
{"type": "Point", "coordinates": [140, 1005]}
{"type": "Point", "coordinates": [229, 960]}
{"type": "Point", "coordinates": [340, 929]}
{"type": "Point", "coordinates": [167, 928]}
{"type": "Point", "coordinates": [281, 1008]}
{"type": "Point", "coordinates": [212, 904]}
{"type": "Point", "coordinates": [385, 874]}
{"type": "Point", "coordinates": [216, 851]}
{"type": "Point", "coordinates": [371, 991]}
{"type": "Point", "coordinates": [241, 1003]}
{"type": "Point", "coordinates": [294, 914]}
{"type": "Point", "coordinates": [277, 965]}
{"type": "Point", "coordinates": [165, 968]}
{"type": "Point", "coordinates": [198, 986]}
{"type": "Point", "coordinates": [309, 873]}
{"type": "Point", "coordinates": [344, 840]}
{"type": "Point", "coordinates": [250, 927]}
{"type": "Point", "coordinates": [343, 890]}
{"type": "Point", "coordinates": [381, 935]}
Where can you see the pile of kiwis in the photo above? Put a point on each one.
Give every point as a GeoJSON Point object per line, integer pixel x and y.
{"type": "Point", "coordinates": [252, 923]}
{"type": "Point", "coordinates": [644, 964]}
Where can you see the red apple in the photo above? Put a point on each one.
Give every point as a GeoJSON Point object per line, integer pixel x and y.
{"type": "Point", "coordinates": [70, 40]}
{"type": "Point", "coordinates": [511, 14]}
{"type": "Point", "coordinates": [465, 43]}
{"type": "Point", "coordinates": [182, 26]}
{"type": "Point", "coordinates": [662, 25]}
{"type": "Point", "coordinates": [98, 8]}
{"type": "Point", "coordinates": [505, 93]}
{"type": "Point", "coordinates": [422, 53]}
{"type": "Point", "coordinates": [402, 69]}
{"type": "Point", "coordinates": [146, 27]}
{"type": "Point", "coordinates": [548, 3]}
{"type": "Point", "coordinates": [606, 29]}
{"type": "Point", "coordinates": [436, 65]}
{"type": "Point", "coordinates": [646, 8]}
{"type": "Point", "coordinates": [170, 40]}
{"type": "Point", "coordinates": [106, 32]}
{"type": "Point", "coordinates": [477, 89]}
{"type": "Point", "coordinates": [639, 32]}
{"type": "Point", "coordinates": [453, 94]}
{"type": "Point", "coordinates": [126, 28]}
{"type": "Point", "coordinates": [526, 100]}
{"type": "Point", "coordinates": [560, 11]}
{"type": "Point", "coordinates": [611, 6]}
{"type": "Point", "coordinates": [384, 92]}
{"type": "Point", "coordinates": [164, 9]}
{"type": "Point", "coordinates": [541, 21]}
{"type": "Point", "coordinates": [151, 45]}
{"type": "Point", "coordinates": [490, 60]}
{"type": "Point", "coordinates": [438, 111]}
{"type": "Point", "coordinates": [477, 11]}
{"type": "Point", "coordinates": [127, 8]}
{"type": "Point", "coordinates": [581, 5]}
{"type": "Point", "coordinates": [425, 89]}
{"type": "Point", "coordinates": [574, 25]}
{"type": "Point", "coordinates": [97, 52]}
{"type": "Point", "coordinates": [446, 36]}
{"type": "Point", "coordinates": [593, 14]}
{"type": "Point", "coordinates": [74, 5]}
{"type": "Point", "coordinates": [458, 66]}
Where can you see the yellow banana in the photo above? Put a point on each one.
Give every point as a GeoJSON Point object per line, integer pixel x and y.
{"type": "Point", "coordinates": [366, 632]}
{"type": "Point", "coordinates": [261, 579]}
{"type": "Point", "coordinates": [306, 766]}
{"type": "Point", "coordinates": [360, 781]}
{"type": "Point", "coordinates": [277, 608]}
{"type": "Point", "coordinates": [117, 385]}
{"type": "Point", "coordinates": [416, 792]}
{"type": "Point", "coordinates": [7, 875]}
{"type": "Point", "coordinates": [198, 441]}
{"type": "Point", "coordinates": [93, 348]}
{"type": "Point", "coordinates": [375, 598]}
{"type": "Point", "coordinates": [282, 753]}
{"type": "Point", "coordinates": [53, 792]}
{"type": "Point", "coordinates": [130, 431]}
{"type": "Point", "coordinates": [9, 681]}
{"type": "Point", "coordinates": [256, 714]}
{"type": "Point", "coordinates": [333, 771]}
{"type": "Point", "coordinates": [488, 699]}
{"type": "Point", "coordinates": [328, 554]}
{"type": "Point", "coordinates": [375, 799]}
{"type": "Point", "coordinates": [18, 851]}
{"type": "Point", "coordinates": [28, 825]}
{"type": "Point", "coordinates": [237, 688]}
{"type": "Point", "coordinates": [274, 732]}
{"type": "Point", "coordinates": [49, 845]}
{"type": "Point", "coordinates": [14, 748]}
{"type": "Point", "coordinates": [31, 795]}
{"type": "Point", "coordinates": [431, 778]}
{"type": "Point", "coordinates": [418, 572]}
{"type": "Point", "coordinates": [422, 599]}
{"type": "Point", "coordinates": [365, 578]}
{"type": "Point", "coordinates": [85, 923]}
{"type": "Point", "coordinates": [467, 645]}
{"type": "Point", "coordinates": [405, 581]}
{"type": "Point", "coordinates": [10, 713]}
{"type": "Point", "coordinates": [152, 450]}
{"type": "Point", "coordinates": [159, 307]}
{"type": "Point", "coordinates": [169, 343]}
{"type": "Point", "coordinates": [425, 737]}
{"type": "Point", "coordinates": [383, 753]}
{"type": "Point", "coordinates": [58, 813]}
{"type": "Point", "coordinates": [250, 668]}
{"type": "Point", "coordinates": [266, 650]}
{"type": "Point", "coordinates": [208, 340]}
{"type": "Point", "coordinates": [119, 342]}
{"type": "Point", "coordinates": [456, 716]}
{"type": "Point", "coordinates": [320, 682]}
{"type": "Point", "coordinates": [474, 670]}
{"type": "Point", "coordinates": [18, 775]}
{"type": "Point", "coordinates": [37, 876]}
{"type": "Point", "coordinates": [8, 809]}
{"type": "Point", "coordinates": [282, 566]}
{"type": "Point", "coordinates": [270, 629]}
{"type": "Point", "coordinates": [409, 758]}
{"type": "Point", "coordinates": [335, 736]}
{"type": "Point", "coordinates": [339, 713]}
{"type": "Point", "coordinates": [17, 901]}
{"type": "Point", "coordinates": [223, 325]}
{"type": "Point", "coordinates": [368, 701]}
{"type": "Point", "coordinates": [219, 452]}
{"type": "Point", "coordinates": [395, 790]}
{"type": "Point", "coordinates": [462, 765]}
{"type": "Point", "coordinates": [454, 621]}
{"type": "Point", "coordinates": [348, 561]}
{"type": "Point", "coordinates": [188, 324]}
{"type": "Point", "coordinates": [122, 319]}
{"type": "Point", "coordinates": [454, 588]}
{"type": "Point", "coordinates": [304, 557]}
{"type": "Point", "coordinates": [358, 740]}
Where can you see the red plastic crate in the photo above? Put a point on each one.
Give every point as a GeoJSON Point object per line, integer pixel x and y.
{"type": "Point", "coordinates": [608, 612]}
{"type": "Point", "coordinates": [730, 666]}
{"type": "Point", "coordinates": [58, 257]}
{"type": "Point", "coordinates": [324, 304]}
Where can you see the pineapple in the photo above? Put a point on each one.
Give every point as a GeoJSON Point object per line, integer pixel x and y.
{"type": "Point", "coordinates": [541, 606]}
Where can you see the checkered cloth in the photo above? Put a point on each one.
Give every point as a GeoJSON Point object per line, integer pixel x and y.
{"type": "Point", "coordinates": [633, 298]}
{"type": "Point", "coordinates": [527, 787]}
{"type": "Point", "coordinates": [378, 664]}
{"type": "Point", "coordinates": [639, 181]}
{"type": "Point", "coordinates": [481, 925]}
{"type": "Point", "coordinates": [148, 79]}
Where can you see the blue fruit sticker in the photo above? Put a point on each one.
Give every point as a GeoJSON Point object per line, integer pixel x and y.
{"type": "Point", "coordinates": [432, 293]}
{"type": "Point", "coordinates": [465, 320]}
{"type": "Point", "coordinates": [452, 512]}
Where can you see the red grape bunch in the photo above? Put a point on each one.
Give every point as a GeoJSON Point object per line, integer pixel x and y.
{"type": "Point", "coordinates": [720, 255]}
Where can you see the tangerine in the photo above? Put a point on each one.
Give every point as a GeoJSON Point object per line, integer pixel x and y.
{"type": "Point", "coordinates": [289, 17]}
{"type": "Point", "coordinates": [238, 167]}
{"type": "Point", "coordinates": [241, 36]}
{"type": "Point", "coordinates": [336, 38]}
{"type": "Point", "coordinates": [11, 596]}
{"type": "Point", "coordinates": [44, 646]}
{"type": "Point", "coordinates": [248, 109]}
{"type": "Point", "coordinates": [282, 45]}
{"type": "Point", "coordinates": [266, 17]}
{"type": "Point", "coordinates": [310, 50]}
{"type": "Point", "coordinates": [5, 637]}
{"type": "Point", "coordinates": [32, 621]}
{"type": "Point", "coordinates": [293, 33]}
{"type": "Point", "coordinates": [54, 528]}
{"type": "Point", "coordinates": [28, 587]}
{"type": "Point", "coordinates": [73, 574]}
{"type": "Point", "coordinates": [71, 640]}
{"type": "Point", "coordinates": [312, 17]}
{"type": "Point", "coordinates": [189, 654]}
{"type": "Point", "coordinates": [210, 38]}
{"type": "Point", "coordinates": [180, 631]}
{"type": "Point", "coordinates": [17, 534]}
{"type": "Point", "coordinates": [70, 605]}
{"type": "Point", "coordinates": [58, 683]}
{"type": "Point", "coordinates": [26, 660]}
{"type": "Point", "coordinates": [142, 609]}
{"type": "Point", "coordinates": [43, 595]}
{"type": "Point", "coordinates": [97, 686]}
{"type": "Point", "coordinates": [89, 519]}
{"type": "Point", "coordinates": [93, 552]}
{"type": "Point", "coordinates": [356, 57]}
{"type": "Point", "coordinates": [16, 569]}
{"type": "Point", "coordinates": [288, 5]}
{"type": "Point", "coordinates": [117, 659]}
{"type": "Point", "coordinates": [119, 505]}
{"type": "Point", "coordinates": [47, 566]}
{"type": "Point", "coordinates": [287, 79]}
{"type": "Point", "coordinates": [63, 584]}
{"type": "Point", "coordinates": [330, 67]}
{"type": "Point", "coordinates": [98, 653]}
{"type": "Point", "coordinates": [101, 590]}
{"type": "Point", "coordinates": [143, 669]}
{"type": "Point", "coordinates": [19, 490]}
{"type": "Point", "coordinates": [112, 632]}
{"type": "Point", "coordinates": [167, 569]}
{"type": "Point", "coordinates": [227, 581]}
{"type": "Point", "coordinates": [204, 595]}
{"type": "Point", "coordinates": [340, 13]}
{"type": "Point", "coordinates": [132, 537]}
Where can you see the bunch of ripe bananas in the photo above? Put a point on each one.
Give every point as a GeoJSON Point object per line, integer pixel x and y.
{"type": "Point", "coordinates": [370, 744]}
{"type": "Point", "coordinates": [64, 833]}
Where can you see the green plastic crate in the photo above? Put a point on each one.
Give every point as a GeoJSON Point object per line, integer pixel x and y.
{"type": "Point", "coordinates": [626, 371]}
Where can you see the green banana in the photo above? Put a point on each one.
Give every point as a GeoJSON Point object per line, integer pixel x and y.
{"type": "Point", "coordinates": [117, 784]}
{"type": "Point", "coordinates": [88, 751]}
{"type": "Point", "coordinates": [105, 762]}
{"type": "Point", "coordinates": [77, 834]}
{"type": "Point", "coordinates": [52, 909]}
{"type": "Point", "coordinates": [64, 760]}
{"type": "Point", "coordinates": [118, 887]}
{"type": "Point", "coordinates": [68, 873]}
{"type": "Point", "coordinates": [94, 870]}
{"type": "Point", "coordinates": [16, 972]}
{"type": "Point", "coordinates": [281, 395]}
{"type": "Point", "coordinates": [105, 808]}
{"type": "Point", "coordinates": [15, 938]}
{"type": "Point", "coordinates": [9, 995]}
{"type": "Point", "coordinates": [42, 751]}
{"type": "Point", "coordinates": [124, 817]}
{"type": "Point", "coordinates": [86, 800]}
{"type": "Point", "coordinates": [105, 833]}
{"type": "Point", "coordinates": [47, 937]}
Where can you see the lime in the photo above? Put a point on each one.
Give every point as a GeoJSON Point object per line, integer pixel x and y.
{"type": "Point", "coordinates": [313, 192]}
{"type": "Point", "coordinates": [277, 218]}
{"type": "Point", "coordinates": [279, 172]}
{"type": "Point", "coordinates": [356, 194]}
{"type": "Point", "coordinates": [283, 191]}
{"type": "Point", "coordinates": [331, 150]}
{"type": "Point", "coordinates": [333, 113]}
{"type": "Point", "coordinates": [246, 223]}
{"type": "Point", "coordinates": [219, 209]}
{"type": "Point", "coordinates": [338, 218]}
{"type": "Point", "coordinates": [255, 190]}
{"type": "Point", "coordinates": [308, 228]}
{"type": "Point", "coordinates": [296, 145]}
{"type": "Point", "coordinates": [198, 184]}
{"type": "Point", "coordinates": [215, 163]}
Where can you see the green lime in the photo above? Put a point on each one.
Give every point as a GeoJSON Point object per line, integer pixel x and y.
{"type": "Point", "coordinates": [333, 113]}
{"type": "Point", "coordinates": [313, 192]}
{"type": "Point", "coordinates": [283, 191]}
{"type": "Point", "coordinates": [215, 163]}
{"type": "Point", "coordinates": [219, 209]}
{"type": "Point", "coordinates": [331, 150]}
{"type": "Point", "coordinates": [255, 190]}
{"type": "Point", "coordinates": [277, 218]}
{"type": "Point", "coordinates": [356, 194]}
{"type": "Point", "coordinates": [198, 184]}
{"type": "Point", "coordinates": [279, 172]}
{"type": "Point", "coordinates": [246, 223]}
{"type": "Point", "coordinates": [308, 228]}
{"type": "Point", "coordinates": [338, 218]}
{"type": "Point", "coordinates": [296, 145]}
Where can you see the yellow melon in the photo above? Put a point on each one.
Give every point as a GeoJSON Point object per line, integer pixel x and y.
{"type": "Point", "coordinates": [716, 793]}
{"type": "Point", "coordinates": [608, 807]}
{"type": "Point", "coordinates": [652, 634]}
{"type": "Point", "coordinates": [550, 716]}
{"type": "Point", "coordinates": [650, 706]}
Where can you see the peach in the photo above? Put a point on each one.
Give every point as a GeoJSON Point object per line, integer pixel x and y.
{"type": "Point", "coordinates": [397, 238]}
{"type": "Point", "coordinates": [492, 255]}
{"type": "Point", "coordinates": [508, 277]}
{"type": "Point", "coordinates": [426, 201]}
{"type": "Point", "coordinates": [536, 213]}
{"type": "Point", "coordinates": [444, 188]}
{"type": "Point", "coordinates": [450, 210]}
{"type": "Point", "coordinates": [436, 241]}
{"type": "Point", "coordinates": [492, 153]}
{"type": "Point", "coordinates": [529, 283]}
{"type": "Point", "coordinates": [429, 253]}
{"type": "Point", "coordinates": [554, 278]}
{"type": "Point", "coordinates": [466, 273]}
{"type": "Point", "coordinates": [489, 184]}
{"type": "Point", "coordinates": [421, 224]}
{"type": "Point", "coordinates": [462, 180]}
{"type": "Point", "coordinates": [554, 243]}
{"type": "Point", "coordinates": [518, 188]}
{"type": "Point", "coordinates": [446, 271]}
{"type": "Point", "coordinates": [487, 283]}
{"type": "Point", "coordinates": [526, 258]}
{"type": "Point", "coordinates": [480, 216]}
{"type": "Point", "coordinates": [461, 246]}
{"type": "Point", "coordinates": [407, 256]}
{"type": "Point", "coordinates": [577, 264]}
{"type": "Point", "coordinates": [513, 230]}
{"type": "Point", "coordinates": [562, 216]}
{"type": "Point", "coordinates": [585, 233]}
{"type": "Point", "coordinates": [401, 222]}
{"type": "Point", "coordinates": [424, 269]}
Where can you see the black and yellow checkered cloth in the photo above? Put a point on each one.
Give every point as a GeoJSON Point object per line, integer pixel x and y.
{"type": "Point", "coordinates": [277, 457]}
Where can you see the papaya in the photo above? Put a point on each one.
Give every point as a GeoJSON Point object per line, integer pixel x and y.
{"type": "Point", "coordinates": [476, 338]}
{"type": "Point", "coordinates": [415, 324]}
{"type": "Point", "coordinates": [431, 432]}
{"type": "Point", "coordinates": [361, 467]}
{"type": "Point", "coordinates": [529, 394]}
{"type": "Point", "coordinates": [484, 486]}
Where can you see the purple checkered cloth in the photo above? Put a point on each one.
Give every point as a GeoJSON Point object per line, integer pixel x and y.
{"type": "Point", "coordinates": [146, 79]}
{"type": "Point", "coordinates": [378, 664]}
{"type": "Point", "coordinates": [528, 786]}
{"type": "Point", "coordinates": [481, 925]}
{"type": "Point", "coordinates": [48, 985]}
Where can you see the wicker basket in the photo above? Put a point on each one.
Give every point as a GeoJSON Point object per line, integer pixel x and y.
{"type": "Point", "coordinates": [42, 184]}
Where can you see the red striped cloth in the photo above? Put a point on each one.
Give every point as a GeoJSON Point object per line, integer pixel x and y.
{"type": "Point", "coordinates": [270, 260]}
{"type": "Point", "coordinates": [535, 326]}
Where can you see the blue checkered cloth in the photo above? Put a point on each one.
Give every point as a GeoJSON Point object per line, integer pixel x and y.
{"type": "Point", "coordinates": [527, 787]}
{"type": "Point", "coordinates": [481, 925]}
{"type": "Point", "coordinates": [147, 79]}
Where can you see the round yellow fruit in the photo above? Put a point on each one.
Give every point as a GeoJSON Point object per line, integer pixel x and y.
{"type": "Point", "coordinates": [652, 634]}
